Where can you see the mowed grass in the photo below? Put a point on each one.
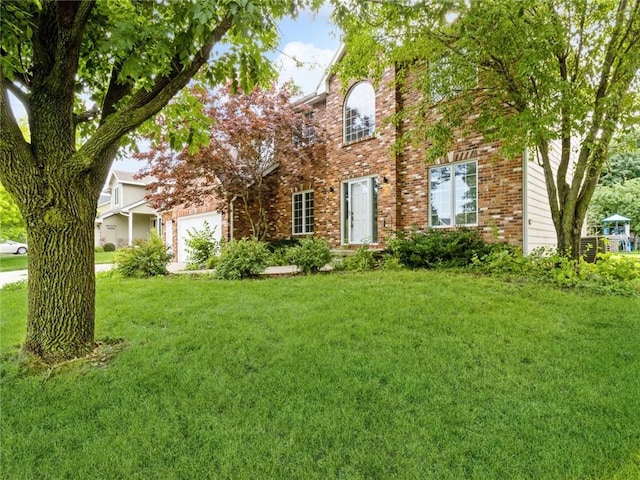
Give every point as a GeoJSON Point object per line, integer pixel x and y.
{"type": "Point", "coordinates": [379, 375]}
{"type": "Point", "coordinates": [19, 262]}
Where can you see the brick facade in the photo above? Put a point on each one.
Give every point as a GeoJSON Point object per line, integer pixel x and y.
{"type": "Point", "coordinates": [402, 179]}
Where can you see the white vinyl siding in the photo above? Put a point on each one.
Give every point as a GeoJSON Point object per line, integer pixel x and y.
{"type": "Point", "coordinates": [538, 224]}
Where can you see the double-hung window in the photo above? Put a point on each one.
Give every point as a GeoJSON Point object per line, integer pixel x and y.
{"type": "Point", "coordinates": [303, 212]}
{"type": "Point", "coordinates": [453, 197]}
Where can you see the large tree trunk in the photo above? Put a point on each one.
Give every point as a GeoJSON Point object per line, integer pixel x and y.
{"type": "Point", "coordinates": [61, 313]}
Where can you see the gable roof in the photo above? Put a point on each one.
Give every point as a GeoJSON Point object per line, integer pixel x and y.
{"type": "Point", "coordinates": [128, 178]}
{"type": "Point", "coordinates": [323, 86]}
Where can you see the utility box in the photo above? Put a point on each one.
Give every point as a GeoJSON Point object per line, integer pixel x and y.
{"type": "Point", "coordinates": [591, 246]}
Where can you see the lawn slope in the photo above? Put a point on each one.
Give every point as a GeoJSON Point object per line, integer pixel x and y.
{"type": "Point", "coordinates": [379, 375]}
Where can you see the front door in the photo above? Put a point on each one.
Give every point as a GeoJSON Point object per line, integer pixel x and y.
{"type": "Point", "coordinates": [359, 207]}
{"type": "Point", "coordinates": [360, 211]}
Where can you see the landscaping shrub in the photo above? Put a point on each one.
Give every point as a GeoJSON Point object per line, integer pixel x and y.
{"type": "Point", "coordinates": [144, 259]}
{"type": "Point", "coordinates": [279, 250]}
{"type": "Point", "coordinates": [362, 260]}
{"type": "Point", "coordinates": [212, 262]}
{"type": "Point", "coordinates": [109, 247]}
{"type": "Point", "coordinates": [242, 259]}
{"type": "Point", "coordinates": [98, 249]}
{"type": "Point", "coordinates": [389, 262]}
{"type": "Point", "coordinates": [310, 255]}
{"type": "Point", "coordinates": [438, 248]}
{"type": "Point", "coordinates": [201, 245]}
{"type": "Point", "coordinates": [609, 275]}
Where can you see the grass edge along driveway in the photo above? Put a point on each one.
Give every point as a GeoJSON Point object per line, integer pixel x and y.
{"type": "Point", "coordinates": [379, 375]}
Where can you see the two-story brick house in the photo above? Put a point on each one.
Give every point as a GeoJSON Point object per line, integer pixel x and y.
{"type": "Point", "coordinates": [358, 191]}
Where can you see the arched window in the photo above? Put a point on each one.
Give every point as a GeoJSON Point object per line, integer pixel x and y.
{"type": "Point", "coordinates": [359, 112]}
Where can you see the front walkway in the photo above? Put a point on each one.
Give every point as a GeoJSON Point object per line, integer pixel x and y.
{"type": "Point", "coordinates": [20, 275]}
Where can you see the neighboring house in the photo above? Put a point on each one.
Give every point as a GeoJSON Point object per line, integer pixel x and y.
{"type": "Point", "coordinates": [359, 192]}
{"type": "Point", "coordinates": [127, 216]}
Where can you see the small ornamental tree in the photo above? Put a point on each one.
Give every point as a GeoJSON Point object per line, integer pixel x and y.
{"type": "Point", "coordinates": [528, 73]}
{"type": "Point", "coordinates": [89, 73]}
{"type": "Point", "coordinates": [249, 134]}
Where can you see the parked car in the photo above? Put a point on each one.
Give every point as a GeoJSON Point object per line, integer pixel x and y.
{"type": "Point", "coordinates": [9, 246]}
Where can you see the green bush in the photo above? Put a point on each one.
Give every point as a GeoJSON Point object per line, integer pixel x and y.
{"type": "Point", "coordinates": [109, 247]}
{"type": "Point", "coordinates": [362, 260]}
{"type": "Point", "coordinates": [144, 259]}
{"type": "Point", "coordinates": [438, 248]}
{"type": "Point", "coordinates": [212, 262]}
{"type": "Point", "coordinates": [201, 245]}
{"type": "Point", "coordinates": [283, 244]}
{"type": "Point", "coordinates": [279, 250]}
{"type": "Point", "coordinates": [310, 255]}
{"type": "Point", "coordinates": [98, 249]}
{"type": "Point", "coordinates": [242, 259]}
{"type": "Point", "coordinates": [390, 262]}
{"type": "Point", "coordinates": [609, 275]}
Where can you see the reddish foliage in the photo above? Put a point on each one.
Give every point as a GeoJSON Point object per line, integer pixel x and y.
{"type": "Point", "coordinates": [249, 136]}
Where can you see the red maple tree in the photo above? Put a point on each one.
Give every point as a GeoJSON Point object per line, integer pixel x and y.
{"type": "Point", "coordinates": [249, 135]}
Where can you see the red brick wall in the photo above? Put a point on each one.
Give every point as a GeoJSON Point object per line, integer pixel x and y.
{"type": "Point", "coordinates": [403, 199]}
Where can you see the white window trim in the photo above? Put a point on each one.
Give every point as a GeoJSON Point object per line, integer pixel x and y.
{"type": "Point", "coordinates": [453, 196]}
{"type": "Point", "coordinates": [304, 213]}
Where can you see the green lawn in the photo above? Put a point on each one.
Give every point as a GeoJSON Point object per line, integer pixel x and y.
{"type": "Point", "coordinates": [19, 262]}
{"type": "Point", "coordinates": [380, 375]}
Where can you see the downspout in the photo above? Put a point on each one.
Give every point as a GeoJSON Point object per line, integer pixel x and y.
{"type": "Point", "coordinates": [130, 228]}
{"type": "Point", "coordinates": [525, 203]}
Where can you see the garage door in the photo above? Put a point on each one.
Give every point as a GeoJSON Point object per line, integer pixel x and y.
{"type": "Point", "coordinates": [185, 224]}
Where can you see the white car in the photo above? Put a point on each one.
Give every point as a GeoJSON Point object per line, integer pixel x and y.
{"type": "Point", "coordinates": [9, 246]}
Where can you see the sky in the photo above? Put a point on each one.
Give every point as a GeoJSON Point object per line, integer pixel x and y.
{"type": "Point", "coordinates": [307, 45]}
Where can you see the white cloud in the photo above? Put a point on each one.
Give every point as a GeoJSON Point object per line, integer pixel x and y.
{"type": "Point", "coordinates": [303, 63]}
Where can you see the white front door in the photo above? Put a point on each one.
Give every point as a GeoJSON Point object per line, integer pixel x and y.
{"type": "Point", "coordinates": [360, 211]}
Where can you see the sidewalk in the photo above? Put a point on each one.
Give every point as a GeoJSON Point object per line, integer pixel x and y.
{"type": "Point", "coordinates": [20, 275]}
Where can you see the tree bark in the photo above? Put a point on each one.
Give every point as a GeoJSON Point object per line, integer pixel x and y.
{"type": "Point", "coordinates": [60, 322]}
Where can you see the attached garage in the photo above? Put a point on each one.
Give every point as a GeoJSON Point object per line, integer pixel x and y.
{"type": "Point", "coordinates": [185, 224]}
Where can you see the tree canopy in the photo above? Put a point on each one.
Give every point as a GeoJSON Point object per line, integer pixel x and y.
{"type": "Point", "coordinates": [623, 163]}
{"type": "Point", "coordinates": [89, 73]}
{"type": "Point", "coordinates": [619, 187]}
{"type": "Point", "coordinates": [529, 73]}
{"type": "Point", "coordinates": [247, 135]}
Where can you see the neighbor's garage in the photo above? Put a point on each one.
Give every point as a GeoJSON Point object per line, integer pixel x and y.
{"type": "Point", "coordinates": [196, 222]}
